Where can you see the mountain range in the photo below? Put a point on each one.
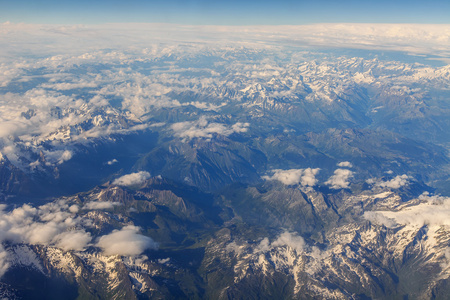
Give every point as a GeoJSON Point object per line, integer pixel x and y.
{"type": "Point", "coordinates": [224, 172]}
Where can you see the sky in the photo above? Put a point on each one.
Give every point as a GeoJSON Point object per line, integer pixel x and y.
{"type": "Point", "coordinates": [226, 12]}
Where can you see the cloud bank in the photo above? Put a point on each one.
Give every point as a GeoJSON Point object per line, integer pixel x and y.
{"type": "Point", "coordinates": [418, 38]}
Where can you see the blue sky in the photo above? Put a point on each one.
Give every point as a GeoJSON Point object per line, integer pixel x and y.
{"type": "Point", "coordinates": [229, 12]}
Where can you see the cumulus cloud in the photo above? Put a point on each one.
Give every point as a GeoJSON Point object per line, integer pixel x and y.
{"type": "Point", "coordinates": [74, 208]}
{"type": "Point", "coordinates": [73, 240]}
{"type": "Point", "coordinates": [112, 162]}
{"type": "Point", "coordinates": [432, 210]}
{"type": "Point", "coordinates": [305, 177]}
{"type": "Point", "coordinates": [340, 179]}
{"type": "Point", "coordinates": [345, 164]}
{"type": "Point", "coordinates": [57, 224]}
{"type": "Point", "coordinates": [126, 241]}
{"type": "Point", "coordinates": [60, 224]}
{"type": "Point", "coordinates": [395, 183]}
{"type": "Point", "coordinates": [52, 224]}
{"type": "Point", "coordinates": [132, 179]}
{"type": "Point", "coordinates": [202, 128]}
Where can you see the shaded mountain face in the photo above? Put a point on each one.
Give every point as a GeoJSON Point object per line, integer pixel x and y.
{"type": "Point", "coordinates": [224, 173]}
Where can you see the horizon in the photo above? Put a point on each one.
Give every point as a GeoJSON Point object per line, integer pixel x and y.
{"type": "Point", "coordinates": [430, 40]}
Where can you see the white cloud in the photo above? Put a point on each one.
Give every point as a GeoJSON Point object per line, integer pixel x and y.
{"type": "Point", "coordinates": [76, 240]}
{"type": "Point", "coordinates": [58, 156]}
{"type": "Point", "coordinates": [432, 39]}
{"type": "Point", "coordinates": [379, 218]}
{"type": "Point", "coordinates": [395, 183]}
{"type": "Point", "coordinates": [57, 224]}
{"type": "Point", "coordinates": [100, 205]}
{"type": "Point", "coordinates": [202, 128]}
{"type": "Point", "coordinates": [289, 239]}
{"type": "Point", "coordinates": [345, 164]}
{"type": "Point", "coordinates": [132, 179]}
{"type": "Point", "coordinates": [340, 179]}
{"type": "Point", "coordinates": [112, 162]}
{"type": "Point", "coordinates": [263, 246]}
{"type": "Point", "coordinates": [74, 208]}
{"type": "Point", "coordinates": [238, 248]}
{"type": "Point", "coordinates": [51, 224]}
{"type": "Point", "coordinates": [305, 177]}
{"type": "Point", "coordinates": [39, 116]}
{"type": "Point", "coordinates": [432, 210]}
{"type": "Point", "coordinates": [126, 241]}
